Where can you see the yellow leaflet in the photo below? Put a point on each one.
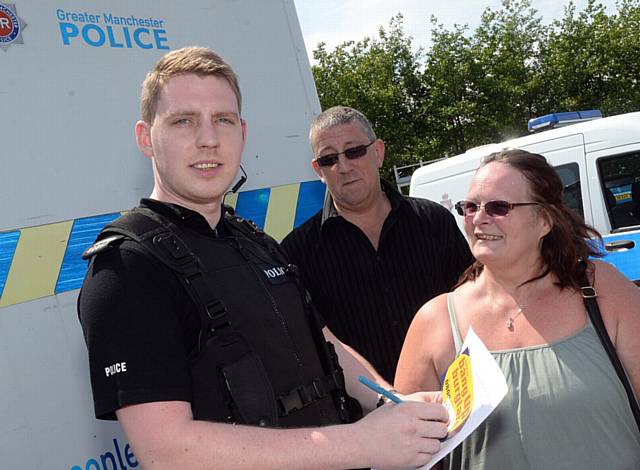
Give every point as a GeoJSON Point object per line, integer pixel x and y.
{"type": "Point", "coordinates": [457, 391]}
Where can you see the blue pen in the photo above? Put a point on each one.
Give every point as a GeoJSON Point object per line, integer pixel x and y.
{"type": "Point", "coordinates": [377, 388]}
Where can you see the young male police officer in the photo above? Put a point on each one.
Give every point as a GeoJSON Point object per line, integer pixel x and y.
{"type": "Point", "coordinates": [371, 257]}
{"type": "Point", "coordinates": [202, 357]}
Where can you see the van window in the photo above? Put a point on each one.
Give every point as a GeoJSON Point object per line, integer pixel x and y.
{"type": "Point", "coordinates": [620, 182]}
{"type": "Point", "coordinates": [572, 195]}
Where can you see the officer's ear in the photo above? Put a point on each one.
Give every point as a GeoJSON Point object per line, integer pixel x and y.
{"type": "Point", "coordinates": [143, 138]}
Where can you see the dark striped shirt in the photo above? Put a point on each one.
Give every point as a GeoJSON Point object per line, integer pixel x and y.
{"type": "Point", "coordinates": [367, 297]}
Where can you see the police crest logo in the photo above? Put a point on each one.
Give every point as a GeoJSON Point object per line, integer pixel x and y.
{"type": "Point", "coordinates": [11, 26]}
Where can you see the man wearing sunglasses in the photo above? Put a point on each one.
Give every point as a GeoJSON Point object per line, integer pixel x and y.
{"type": "Point", "coordinates": [371, 257]}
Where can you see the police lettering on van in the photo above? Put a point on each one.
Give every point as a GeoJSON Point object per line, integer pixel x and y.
{"type": "Point", "coordinates": [106, 29]}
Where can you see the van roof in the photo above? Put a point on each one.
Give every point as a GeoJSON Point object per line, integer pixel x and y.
{"type": "Point", "coordinates": [598, 134]}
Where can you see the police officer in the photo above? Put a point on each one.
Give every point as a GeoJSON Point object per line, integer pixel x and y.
{"type": "Point", "coordinates": [201, 340]}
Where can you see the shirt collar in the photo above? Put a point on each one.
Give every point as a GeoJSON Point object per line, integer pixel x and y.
{"type": "Point", "coordinates": [175, 212]}
{"type": "Point", "coordinates": [395, 199]}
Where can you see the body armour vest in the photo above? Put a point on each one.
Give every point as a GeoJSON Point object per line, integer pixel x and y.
{"type": "Point", "coordinates": [261, 358]}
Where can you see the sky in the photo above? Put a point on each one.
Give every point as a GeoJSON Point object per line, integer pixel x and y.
{"type": "Point", "coordinates": [336, 21]}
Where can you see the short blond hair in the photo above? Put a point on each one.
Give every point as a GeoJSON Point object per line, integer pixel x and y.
{"type": "Point", "coordinates": [198, 60]}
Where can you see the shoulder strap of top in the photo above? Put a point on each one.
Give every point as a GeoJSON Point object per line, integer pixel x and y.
{"type": "Point", "coordinates": [455, 330]}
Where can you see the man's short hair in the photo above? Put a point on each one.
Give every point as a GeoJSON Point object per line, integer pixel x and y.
{"type": "Point", "coordinates": [339, 115]}
{"type": "Point", "coordinates": [198, 60]}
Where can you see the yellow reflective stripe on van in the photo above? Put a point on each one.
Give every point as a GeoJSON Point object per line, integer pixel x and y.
{"type": "Point", "coordinates": [41, 261]}
{"type": "Point", "coordinates": [36, 263]}
{"type": "Point", "coordinates": [231, 200]}
{"type": "Point", "coordinates": [281, 211]}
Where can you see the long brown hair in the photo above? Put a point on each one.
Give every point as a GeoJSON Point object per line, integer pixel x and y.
{"type": "Point", "coordinates": [570, 239]}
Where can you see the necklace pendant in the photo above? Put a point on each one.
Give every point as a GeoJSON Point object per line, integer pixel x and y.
{"type": "Point", "coordinates": [509, 323]}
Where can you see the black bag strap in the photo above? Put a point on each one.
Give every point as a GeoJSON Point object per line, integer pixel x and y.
{"type": "Point", "coordinates": [590, 297]}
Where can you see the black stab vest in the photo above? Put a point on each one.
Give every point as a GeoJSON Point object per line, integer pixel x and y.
{"type": "Point", "coordinates": [261, 358]}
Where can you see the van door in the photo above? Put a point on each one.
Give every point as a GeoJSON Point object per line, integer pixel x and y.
{"type": "Point", "coordinates": [616, 176]}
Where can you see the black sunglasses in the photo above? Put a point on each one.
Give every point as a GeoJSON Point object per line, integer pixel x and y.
{"type": "Point", "coordinates": [492, 208]}
{"type": "Point", "coordinates": [351, 153]}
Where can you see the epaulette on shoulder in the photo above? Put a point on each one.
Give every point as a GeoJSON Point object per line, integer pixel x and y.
{"type": "Point", "coordinates": [250, 230]}
{"type": "Point", "coordinates": [102, 245]}
{"type": "Point", "coordinates": [245, 225]}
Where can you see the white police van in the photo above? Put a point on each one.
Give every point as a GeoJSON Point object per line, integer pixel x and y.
{"type": "Point", "coordinates": [598, 160]}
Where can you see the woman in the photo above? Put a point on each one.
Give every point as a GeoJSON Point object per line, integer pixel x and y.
{"type": "Point", "coordinates": [565, 408]}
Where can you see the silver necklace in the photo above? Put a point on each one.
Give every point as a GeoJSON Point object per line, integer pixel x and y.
{"type": "Point", "coordinates": [509, 322]}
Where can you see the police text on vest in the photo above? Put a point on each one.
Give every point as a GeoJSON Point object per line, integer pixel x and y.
{"type": "Point", "coordinates": [115, 368]}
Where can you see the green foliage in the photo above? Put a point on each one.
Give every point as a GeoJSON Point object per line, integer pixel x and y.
{"type": "Point", "coordinates": [577, 59]}
{"type": "Point", "coordinates": [453, 102]}
{"type": "Point", "coordinates": [506, 45]}
{"type": "Point", "coordinates": [471, 88]}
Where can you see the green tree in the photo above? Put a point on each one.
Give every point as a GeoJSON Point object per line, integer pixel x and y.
{"type": "Point", "coordinates": [507, 45]}
{"type": "Point", "coordinates": [454, 105]}
{"type": "Point", "coordinates": [591, 59]}
{"type": "Point", "coordinates": [483, 87]}
{"type": "Point", "coordinates": [575, 59]}
{"type": "Point", "coordinates": [623, 92]}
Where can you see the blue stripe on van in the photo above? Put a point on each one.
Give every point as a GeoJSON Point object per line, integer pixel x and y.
{"type": "Point", "coordinates": [626, 261]}
{"type": "Point", "coordinates": [83, 234]}
{"type": "Point", "coordinates": [310, 200]}
{"type": "Point", "coordinates": [252, 205]}
{"type": "Point", "coordinates": [8, 243]}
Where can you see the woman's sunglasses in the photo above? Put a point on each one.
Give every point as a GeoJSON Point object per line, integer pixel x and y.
{"type": "Point", "coordinates": [351, 153]}
{"type": "Point", "coordinates": [491, 208]}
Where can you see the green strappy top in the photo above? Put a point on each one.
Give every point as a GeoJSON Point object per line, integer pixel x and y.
{"type": "Point", "coordinates": [565, 409]}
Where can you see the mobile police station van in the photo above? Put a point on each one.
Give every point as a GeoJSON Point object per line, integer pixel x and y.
{"type": "Point", "coordinates": [598, 160]}
{"type": "Point", "coordinates": [70, 76]}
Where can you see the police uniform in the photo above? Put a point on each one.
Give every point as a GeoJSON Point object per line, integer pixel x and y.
{"type": "Point", "coordinates": [243, 347]}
